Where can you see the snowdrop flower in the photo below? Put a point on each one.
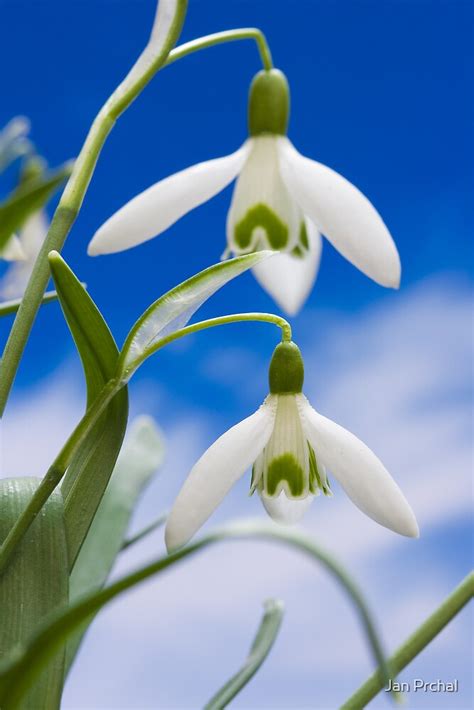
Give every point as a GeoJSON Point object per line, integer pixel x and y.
{"type": "Point", "coordinates": [13, 141]}
{"type": "Point", "coordinates": [282, 201]}
{"type": "Point", "coordinates": [289, 445]}
{"type": "Point", "coordinates": [24, 247]}
{"type": "Point", "coordinates": [22, 250]}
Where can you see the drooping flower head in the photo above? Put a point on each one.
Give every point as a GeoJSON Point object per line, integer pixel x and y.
{"type": "Point", "coordinates": [281, 201]}
{"type": "Point", "coordinates": [289, 447]}
{"type": "Point", "coordinates": [22, 249]}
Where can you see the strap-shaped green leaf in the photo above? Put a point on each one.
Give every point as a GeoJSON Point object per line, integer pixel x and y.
{"type": "Point", "coordinates": [90, 471]}
{"type": "Point", "coordinates": [28, 198]}
{"type": "Point", "coordinates": [34, 584]}
{"type": "Point", "coordinates": [261, 647]}
{"type": "Point", "coordinates": [141, 457]}
{"type": "Point", "coordinates": [173, 310]}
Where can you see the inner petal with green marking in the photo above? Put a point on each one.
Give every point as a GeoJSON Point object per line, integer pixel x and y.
{"type": "Point", "coordinates": [262, 214]}
{"type": "Point", "coordinates": [288, 463]}
{"type": "Point", "coordinates": [261, 228]}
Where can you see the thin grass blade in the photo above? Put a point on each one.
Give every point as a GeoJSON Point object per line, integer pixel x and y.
{"type": "Point", "coordinates": [261, 647]}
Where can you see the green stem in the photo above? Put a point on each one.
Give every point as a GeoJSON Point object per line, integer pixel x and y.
{"type": "Point", "coordinates": [227, 36]}
{"type": "Point", "coordinates": [70, 203]}
{"type": "Point", "coordinates": [283, 324]}
{"type": "Point", "coordinates": [151, 527]}
{"type": "Point", "coordinates": [55, 473]}
{"type": "Point", "coordinates": [9, 307]}
{"type": "Point", "coordinates": [415, 643]}
{"type": "Point", "coordinates": [17, 673]}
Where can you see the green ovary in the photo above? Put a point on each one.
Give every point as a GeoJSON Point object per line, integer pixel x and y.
{"type": "Point", "coordinates": [285, 469]}
{"type": "Point", "coordinates": [261, 216]}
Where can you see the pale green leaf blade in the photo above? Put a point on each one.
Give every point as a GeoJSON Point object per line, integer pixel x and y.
{"type": "Point", "coordinates": [140, 459]}
{"type": "Point", "coordinates": [88, 475]}
{"type": "Point", "coordinates": [34, 584]}
{"type": "Point", "coordinates": [29, 197]}
{"type": "Point", "coordinates": [266, 636]}
{"type": "Point", "coordinates": [173, 310]}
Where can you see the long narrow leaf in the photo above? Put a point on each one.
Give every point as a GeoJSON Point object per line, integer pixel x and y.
{"type": "Point", "coordinates": [34, 584]}
{"type": "Point", "coordinates": [28, 198]}
{"type": "Point", "coordinates": [261, 647]}
{"type": "Point", "coordinates": [140, 459]}
{"type": "Point", "coordinates": [17, 673]}
{"type": "Point", "coordinates": [89, 474]}
{"type": "Point", "coordinates": [173, 310]}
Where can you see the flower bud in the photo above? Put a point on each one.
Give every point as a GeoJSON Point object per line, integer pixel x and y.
{"type": "Point", "coordinates": [286, 371]}
{"type": "Point", "coordinates": [269, 103]}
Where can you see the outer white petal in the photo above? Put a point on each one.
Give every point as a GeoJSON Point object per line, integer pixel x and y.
{"type": "Point", "coordinates": [289, 279]}
{"type": "Point", "coordinates": [13, 250]}
{"type": "Point", "coordinates": [362, 475]}
{"type": "Point", "coordinates": [286, 510]}
{"type": "Point", "coordinates": [215, 473]}
{"type": "Point", "coordinates": [343, 214]}
{"type": "Point", "coordinates": [156, 209]}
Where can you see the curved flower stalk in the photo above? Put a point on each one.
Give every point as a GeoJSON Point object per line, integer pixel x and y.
{"type": "Point", "coordinates": [289, 445]}
{"type": "Point", "coordinates": [282, 201]}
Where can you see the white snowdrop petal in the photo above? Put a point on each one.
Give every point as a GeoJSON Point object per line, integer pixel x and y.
{"type": "Point", "coordinates": [285, 510]}
{"type": "Point", "coordinates": [362, 475]}
{"type": "Point", "coordinates": [12, 251]}
{"type": "Point", "coordinates": [343, 214]}
{"type": "Point", "coordinates": [216, 472]}
{"type": "Point", "coordinates": [158, 207]}
{"type": "Point", "coordinates": [289, 279]}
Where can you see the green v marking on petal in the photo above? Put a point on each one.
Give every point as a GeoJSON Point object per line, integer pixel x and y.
{"type": "Point", "coordinates": [285, 469]}
{"type": "Point", "coordinates": [262, 216]}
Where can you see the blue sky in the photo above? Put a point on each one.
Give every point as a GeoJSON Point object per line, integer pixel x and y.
{"type": "Point", "coordinates": [380, 92]}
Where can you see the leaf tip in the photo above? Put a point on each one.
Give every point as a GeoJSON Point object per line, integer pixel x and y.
{"type": "Point", "coordinates": [54, 257]}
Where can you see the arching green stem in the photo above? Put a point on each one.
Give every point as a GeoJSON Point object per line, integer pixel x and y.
{"type": "Point", "coordinates": [221, 37]}
{"type": "Point", "coordinates": [212, 323]}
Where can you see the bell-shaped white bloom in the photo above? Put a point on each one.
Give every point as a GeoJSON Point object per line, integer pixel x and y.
{"type": "Point", "coordinates": [22, 250]}
{"type": "Point", "coordinates": [289, 446]}
{"type": "Point", "coordinates": [281, 201]}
